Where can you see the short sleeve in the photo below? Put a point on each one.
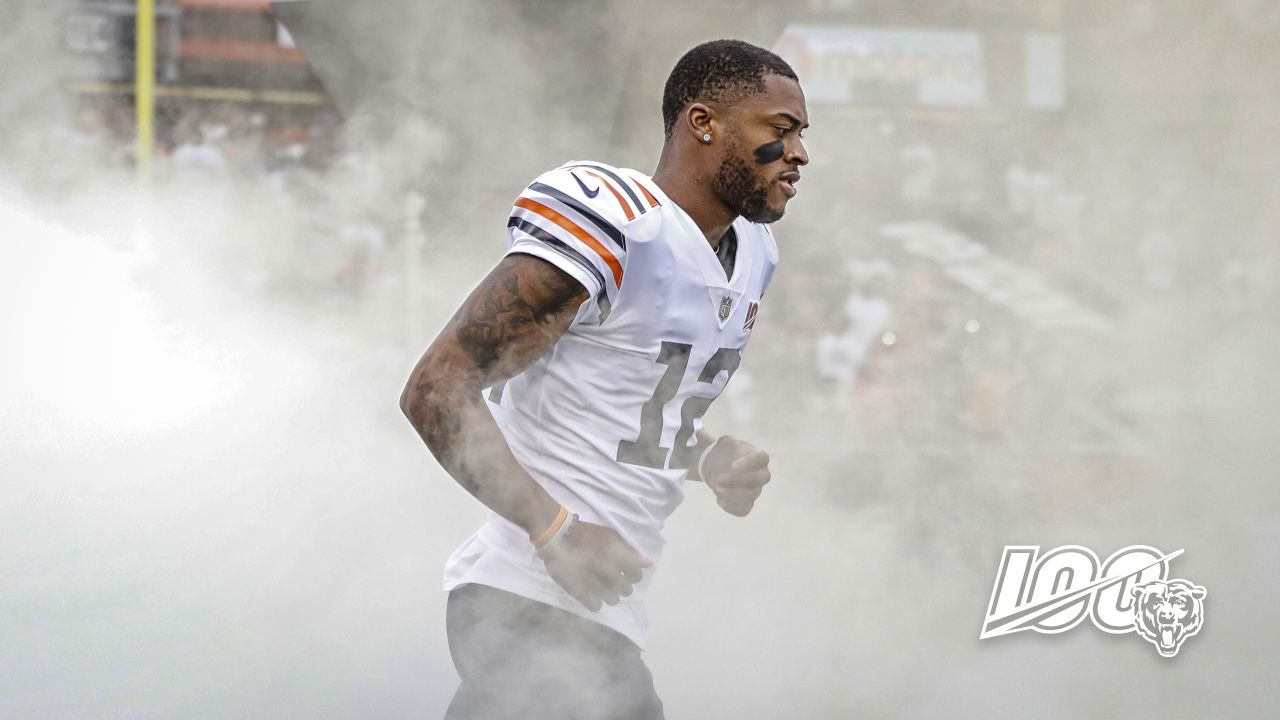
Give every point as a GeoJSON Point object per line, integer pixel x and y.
{"type": "Point", "coordinates": [562, 218]}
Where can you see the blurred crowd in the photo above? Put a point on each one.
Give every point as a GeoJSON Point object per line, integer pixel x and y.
{"type": "Point", "coordinates": [987, 301]}
{"type": "Point", "coordinates": [286, 153]}
{"type": "Point", "coordinates": [209, 137]}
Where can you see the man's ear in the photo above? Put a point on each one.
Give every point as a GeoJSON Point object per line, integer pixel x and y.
{"type": "Point", "coordinates": [700, 120]}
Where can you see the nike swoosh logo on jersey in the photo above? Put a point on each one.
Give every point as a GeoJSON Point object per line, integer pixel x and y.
{"type": "Point", "coordinates": [590, 193]}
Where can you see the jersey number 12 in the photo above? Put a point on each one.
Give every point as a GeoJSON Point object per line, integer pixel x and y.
{"type": "Point", "coordinates": [646, 450]}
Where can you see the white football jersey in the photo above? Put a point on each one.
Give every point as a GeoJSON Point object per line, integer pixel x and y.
{"type": "Point", "coordinates": [606, 420]}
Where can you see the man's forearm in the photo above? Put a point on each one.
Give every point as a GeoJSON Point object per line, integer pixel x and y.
{"type": "Point", "coordinates": [461, 433]}
{"type": "Point", "coordinates": [511, 319]}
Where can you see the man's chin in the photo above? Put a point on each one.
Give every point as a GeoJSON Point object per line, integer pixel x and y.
{"type": "Point", "coordinates": [762, 206]}
{"type": "Point", "coordinates": [766, 215]}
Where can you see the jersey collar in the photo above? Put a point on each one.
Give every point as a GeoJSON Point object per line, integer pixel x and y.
{"type": "Point", "coordinates": [724, 293]}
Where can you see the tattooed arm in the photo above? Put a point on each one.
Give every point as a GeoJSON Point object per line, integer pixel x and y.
{"type": "Point", "coordinates": [509, 321]}
{"type": "Point", "coordinates": [513, 318]}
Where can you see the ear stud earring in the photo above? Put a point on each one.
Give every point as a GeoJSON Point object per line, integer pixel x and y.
{"type": "Point", "coordinates": [706, 137]}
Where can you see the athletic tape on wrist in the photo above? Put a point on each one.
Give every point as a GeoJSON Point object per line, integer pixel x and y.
{"type": "Point", "coordinates": [552, 529]}
{"type": "Point", "coordinates": [702, 460]}
{"type": "Point", "coordinates": [561, 533]}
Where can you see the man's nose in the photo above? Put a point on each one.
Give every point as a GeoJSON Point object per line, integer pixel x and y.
{"type": "Point", "coordinates": [796, 154]}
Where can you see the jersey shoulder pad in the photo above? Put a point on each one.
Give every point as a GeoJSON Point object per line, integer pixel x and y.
{"type": "Point", "coordinates": [573, 218]}
{"type": "Point", "coordinates": [624, 194]}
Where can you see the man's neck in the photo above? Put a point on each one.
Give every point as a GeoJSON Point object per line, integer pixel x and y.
{"type": "Point", "coordinates": [692, 192]}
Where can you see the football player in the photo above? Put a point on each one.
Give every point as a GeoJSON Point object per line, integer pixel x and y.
{"type": "Point", "coordinates": [567, 392]}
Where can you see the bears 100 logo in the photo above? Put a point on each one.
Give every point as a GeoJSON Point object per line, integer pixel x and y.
{"type": "Point", "coordinates": [1129, 592]}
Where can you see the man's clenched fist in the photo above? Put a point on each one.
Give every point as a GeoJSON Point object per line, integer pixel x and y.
{"type": "Point", "coordinates": [736, 471]}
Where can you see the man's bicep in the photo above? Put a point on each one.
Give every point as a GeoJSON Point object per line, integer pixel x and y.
{"type": "Point", "coordinates": [512, 318]}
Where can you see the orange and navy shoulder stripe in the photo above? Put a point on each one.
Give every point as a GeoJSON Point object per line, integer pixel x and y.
{"type": "Point", "coordinates": [653, 202]}
{"type": "Point", "coordinates": [563, 248]}
{"type": "Point", "coordinates": [631, 205]}
{"type": "Point", "coordinates": [608, 228]}
{"type": "Point", "coordinates": [576, 230]}
{"type": "Point", "coordinates": [626, 209]}
{"type": "Point", "coordinates": [584, 232]}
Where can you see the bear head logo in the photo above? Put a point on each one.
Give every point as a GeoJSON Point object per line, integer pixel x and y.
{"type": "Point", "coordinates": [1167, 612]}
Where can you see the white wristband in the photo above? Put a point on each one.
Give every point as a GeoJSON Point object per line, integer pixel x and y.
{"type": "Point", "coordinates": [702, 460]}
{"type": "Point", "coordinates": [559, 536]}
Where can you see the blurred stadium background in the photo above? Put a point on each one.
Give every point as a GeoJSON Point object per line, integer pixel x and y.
{"type": "Point", "coordinates": [1030, 294]}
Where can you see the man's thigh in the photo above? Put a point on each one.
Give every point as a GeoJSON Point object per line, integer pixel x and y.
{"type": "Point", "coordinates": [521, 658]}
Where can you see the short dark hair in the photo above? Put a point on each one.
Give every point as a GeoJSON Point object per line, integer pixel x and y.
{"type": "Point", "coordinates": [718, 71]}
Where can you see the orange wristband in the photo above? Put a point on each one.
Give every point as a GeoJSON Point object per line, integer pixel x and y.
{"type": "Point", "coordinates": [550, 532]}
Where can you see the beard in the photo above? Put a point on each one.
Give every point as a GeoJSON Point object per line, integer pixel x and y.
{"type": "Point", "coordinates": [741, 189]}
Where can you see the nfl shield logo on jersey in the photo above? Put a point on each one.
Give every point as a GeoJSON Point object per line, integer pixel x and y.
{"type": "Point", "coordinates": [726, 307]}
